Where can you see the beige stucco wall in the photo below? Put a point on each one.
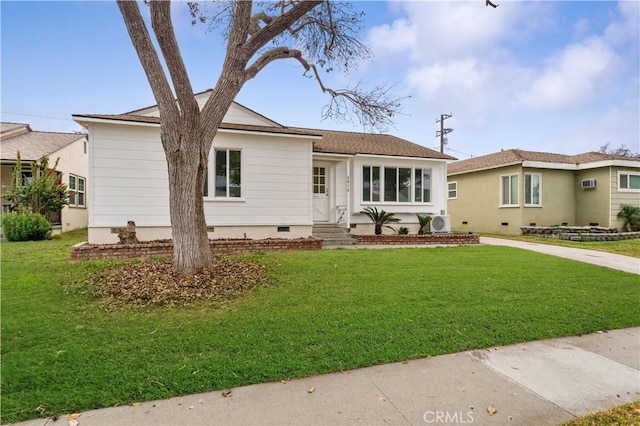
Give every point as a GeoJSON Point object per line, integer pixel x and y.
{"type": "Point", "coordinates": [620, 198]}
{"type": "Point", "coordinates": [73, 160]}
{"type": "Point", "coordinates": [478, 203]}
{"type": "Point", "coordinates": [592, 205]}
{"type": "Point", "coordinates": [5, 174]}
{"type": "Point", "coordinates": [558, 199]}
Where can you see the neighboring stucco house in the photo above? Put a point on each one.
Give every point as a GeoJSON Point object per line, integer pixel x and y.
{"type": "Point", "coordinates": [264, 179]}
{"type": "Point", "coordinates": [71, 152]}
{"type": "Point", "coordinates": [500, 192]}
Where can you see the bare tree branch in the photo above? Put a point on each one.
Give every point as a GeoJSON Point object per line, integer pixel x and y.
{"type": "Point", "coordinates": [278, 25]}
{"type": "Point", "coordinates": [150, 61]}
{"type": "Point", "coordinates": [269, 56]}
{"type": "Point", "coordinates": [163, 29]}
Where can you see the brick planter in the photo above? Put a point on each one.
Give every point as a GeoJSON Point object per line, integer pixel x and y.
{"type": "Point", "coordinates": [418, 239]}
{"type": "Point", "coordinates": [85, 251]}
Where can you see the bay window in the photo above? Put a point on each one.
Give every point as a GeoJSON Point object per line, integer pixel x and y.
{"type": "Point", "coordinates": [399, 184]}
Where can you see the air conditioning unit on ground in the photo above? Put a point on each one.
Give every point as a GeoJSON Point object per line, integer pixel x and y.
{"type": "Point", "coordinates": [588, 183]}
{"type": "Point", "coordinates": [441, 224]}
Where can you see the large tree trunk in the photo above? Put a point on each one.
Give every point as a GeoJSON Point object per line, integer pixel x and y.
{"type": "Point", "coordinates": [187, 167]}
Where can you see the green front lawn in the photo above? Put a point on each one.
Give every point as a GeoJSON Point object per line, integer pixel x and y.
{"type": "Point", "coordinates": [63, 350]}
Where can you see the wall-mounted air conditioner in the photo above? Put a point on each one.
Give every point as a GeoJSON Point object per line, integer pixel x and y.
{"type": "Point", "coordinates": [588, 183]}
{"type": "Point", "coordinates": [441, 224]}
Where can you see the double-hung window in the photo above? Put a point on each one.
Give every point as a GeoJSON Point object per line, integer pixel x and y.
{"type": "Point", "coordinates": [532, 189]}
{"type": "Point", "coordinates": [452, 190]}
{"type": "Point", "coordinates": [396, 184]}
{"type": "Point", "coordinates": [629, 181]}
{"type": "Point", "coordinates": [509, 190]}
{"type": "Point", "coordinates": [227, 172]}
{"type": "Point", "coordinates": [77, 191]}
{"type": "Point", "coordinates": [371, 183]}
{"type": "Point", "coordinates": [422, 185]}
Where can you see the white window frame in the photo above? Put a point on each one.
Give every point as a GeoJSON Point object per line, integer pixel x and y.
{"type": "Point", "coordinates": [381, 190]}
{"type": "Point", "coordinates": [74, 200]}
{"type": "Point", "coordinates": [455, 190]}
{"type": "Point", "coordinates": [531, 204]}
{"type": "Point", "coordinates": [628, 174]}
{"type": "Point", "coordinates": [511, 203]}
{"type": "Point", "coordinates": [211, 183]}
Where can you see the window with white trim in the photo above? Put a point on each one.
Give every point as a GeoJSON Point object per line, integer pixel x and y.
{"type": "Point", "coordinates": [629, 181]}
{"type": "Point", "coordinates": [77, 191]}
{"type": "Point", "coordinates": [396, 184]}
{"type": "Point", "coordinates": [422, 185]}
{"type": "Point", "coordinates": [227, 173]}
{"type": "Point", "coordinates": [532, 189]}
{"type": "Point", "coordinates": [509, 190]}
{"type": "Point", "coordinates": [452, 190]}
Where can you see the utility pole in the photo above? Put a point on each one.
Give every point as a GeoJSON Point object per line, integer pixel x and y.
{"type": "Point", "coordinates": [443, 131]}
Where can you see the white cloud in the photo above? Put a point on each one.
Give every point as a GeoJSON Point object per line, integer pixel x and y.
{"type": "Point", "coordinates": [626, 27]}
{"type": "Point", "coordinates": [572, 77]}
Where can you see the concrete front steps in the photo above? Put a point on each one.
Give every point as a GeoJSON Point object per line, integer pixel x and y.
{"type": "Point", "coordinates": [333, 235]}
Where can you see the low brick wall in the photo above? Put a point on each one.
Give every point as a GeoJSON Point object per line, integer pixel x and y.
{"type": "Point", "coordinates": [556, 231]}
{"type": "Point", "coordinates": [85, 251]}
{"type": "Point", "coordinates": [600, 237]}
{"type": "Point", "coordinates": [430, 239]}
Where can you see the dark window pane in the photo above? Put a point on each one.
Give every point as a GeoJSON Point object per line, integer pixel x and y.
{"type": "Point", "coordinates": [418, 185]}
{"type": "Point", "coordinates": [366, 183]}
{"type": "Point", "coordinates": [375, 184]}
{"type": "Point", "coordinates": [234, 174]}
{"type": "Point", "coordinates": [390, 184]}
{"type": "Point", "coordinates": [221, 173]}
{"type": "Point", "coordinates": [404, 181]}
{"type": "Point", "coordinates": [426, 185]}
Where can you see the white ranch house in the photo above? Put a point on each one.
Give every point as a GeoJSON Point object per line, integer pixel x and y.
{"type": "Point", "coordinates": [265, 180]}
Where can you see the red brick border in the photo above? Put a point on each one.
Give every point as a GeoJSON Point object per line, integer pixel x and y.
{"type": "Point", "coordinates": [430, 239]}
{"type": "Point", "coordinates": [84, 251]}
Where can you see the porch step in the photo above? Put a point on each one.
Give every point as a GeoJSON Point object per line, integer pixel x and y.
{"type": "Point", "coordinates": [333, 235]}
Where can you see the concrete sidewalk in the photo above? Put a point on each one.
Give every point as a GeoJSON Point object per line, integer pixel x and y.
{"type": "Point", "coordinates": [535, 383]}
{"type": "Point", "coordinates": [600, 258]}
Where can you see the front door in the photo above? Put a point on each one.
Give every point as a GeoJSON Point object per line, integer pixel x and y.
{"type": "Point", "coordinates": [320, 194]}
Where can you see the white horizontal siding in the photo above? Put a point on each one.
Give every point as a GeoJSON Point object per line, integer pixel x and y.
{"type": "Point", "coordinates": [129, 179]}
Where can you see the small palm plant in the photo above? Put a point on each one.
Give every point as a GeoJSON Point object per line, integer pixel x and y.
{"type": "Point", "coordinates": [380, 218]}
{"type": "Point", "coordinates": [424, 223]}
{"type": "Point", "coordinates": [631, 216]}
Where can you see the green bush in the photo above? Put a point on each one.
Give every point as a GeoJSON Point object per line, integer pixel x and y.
{"type": "Point", "coordinates": [25, 226]}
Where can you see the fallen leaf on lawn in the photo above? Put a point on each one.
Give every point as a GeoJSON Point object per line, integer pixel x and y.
{"type": "Point", "coordinates": [226, 393]}
{"type": "Point", "coordinates": [73, 423]}
{"type": "Point", "coordinates": [312, 389]}
{"type": "Point", "coordinates": [73, 416]}
{"type": "Point", "coordinates": [491, 410]}
{"type": "Point", "coordinates": [135, 404]}
{"type": "Point", "coordinates": [637, 410]}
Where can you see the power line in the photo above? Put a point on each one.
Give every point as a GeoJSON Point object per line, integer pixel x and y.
{"type": "Point", "coordinates": [33, 115]}
{"type": "Point", "coordinates": [460, 152]}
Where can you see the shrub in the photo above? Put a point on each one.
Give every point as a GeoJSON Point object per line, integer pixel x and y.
{"type": "Point", "coordinates": [25, 226]}
{"type": "Point", "coordinates": [380, 218]}
{"type": "Point", "coordinates": [403, 230]}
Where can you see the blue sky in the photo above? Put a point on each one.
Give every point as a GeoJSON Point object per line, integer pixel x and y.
{"type": "Point", "coordinates": [544, 76]}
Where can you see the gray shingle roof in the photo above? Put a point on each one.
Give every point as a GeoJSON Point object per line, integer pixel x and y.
{"type": "Point", "coordinates": [518, 156]}
{"type": "Point", "coordinates": [33, 145]}
{"type": "Point", "coordinates": [334, 142]}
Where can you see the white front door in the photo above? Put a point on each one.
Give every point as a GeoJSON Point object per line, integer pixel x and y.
{"type": "Point", "coordinates": [320, 194]}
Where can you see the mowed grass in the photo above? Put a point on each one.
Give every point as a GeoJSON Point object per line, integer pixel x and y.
{"type": "Point", "coordinates": [63, 351]}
